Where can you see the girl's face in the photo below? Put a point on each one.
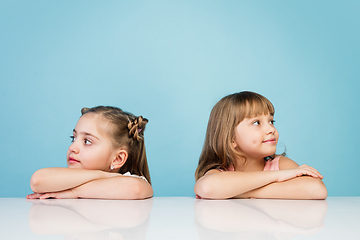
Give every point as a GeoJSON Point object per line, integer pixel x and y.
{"type": "Point", "coordinates": [256, 137]}
{"type": "Point", "coordinates": [90, 149]}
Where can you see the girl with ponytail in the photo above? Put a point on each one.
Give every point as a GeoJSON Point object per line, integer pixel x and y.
{"type": "Point", "coordinates": [106, 160]}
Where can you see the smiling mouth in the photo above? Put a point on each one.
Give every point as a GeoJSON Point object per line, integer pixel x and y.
{"type": "Point", "coordinates": [272, 140]}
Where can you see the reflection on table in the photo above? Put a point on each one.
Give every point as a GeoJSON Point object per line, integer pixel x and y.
{"type": "Point", "coordinates": [91, 219]}
{"type": "Point", "coordinates": [258, 218]}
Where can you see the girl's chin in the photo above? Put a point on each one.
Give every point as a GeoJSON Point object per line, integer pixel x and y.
{"type": "Point", "coordinates": [74, 166]}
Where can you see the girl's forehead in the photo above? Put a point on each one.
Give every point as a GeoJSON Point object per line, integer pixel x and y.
{"type": "Point", "coordinates": [88, 123]}
{"type": "Point", "coordinates": [257, 110]}
{"type": "Point", "coordinates": [88, 118]}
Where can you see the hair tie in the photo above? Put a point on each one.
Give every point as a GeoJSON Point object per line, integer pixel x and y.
{"type": "Point", "coordinates": [139, 130]}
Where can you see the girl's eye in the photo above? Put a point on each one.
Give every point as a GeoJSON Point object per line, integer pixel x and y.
{"type": "Point", "coordinates": [272, 122]}
{"type": "Point", "coordinates": [72, 139]}
{"type": "Point", "coordinates": [257, 122]}
{"type": "Point", "coordinates": [87, 142]}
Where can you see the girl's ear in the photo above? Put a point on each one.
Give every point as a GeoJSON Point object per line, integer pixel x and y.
{"type": "Point", "coordinates": [233, 144]}
{"type": "Point", "coordinates": [120, 159]}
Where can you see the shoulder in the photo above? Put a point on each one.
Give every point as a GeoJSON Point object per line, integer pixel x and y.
{"type": "Point", "coordinates": [287, 163]}
{"type": "Point", "coordinates": [212, 171]}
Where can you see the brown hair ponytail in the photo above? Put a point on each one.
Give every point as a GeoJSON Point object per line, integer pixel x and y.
{"type": "Point", "coordinates": [126, 130]}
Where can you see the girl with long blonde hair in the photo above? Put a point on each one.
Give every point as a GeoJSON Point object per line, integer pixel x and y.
{"type": "Point", "coordinates": [238, 159]}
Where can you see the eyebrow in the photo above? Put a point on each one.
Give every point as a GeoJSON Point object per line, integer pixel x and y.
{"type": "Point", "coordinates": [256, 117]}
{"type": "Point", "coordinates": [86, 134]}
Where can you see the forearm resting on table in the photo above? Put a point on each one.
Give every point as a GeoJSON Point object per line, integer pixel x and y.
{"type": "Point", "coordinates": [122, 187]}
{"type": "Point", "coordinates": [223, 185]}
{"type": "Point", "coordinates": [298, 188]}
{"type": "Point", "coordinates": [59, 179]}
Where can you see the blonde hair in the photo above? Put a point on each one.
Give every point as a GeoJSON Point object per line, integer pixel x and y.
{"type": "Point", "coordinates": [224, 117]}
{"type": "Point", "coordinates": [126, 130]}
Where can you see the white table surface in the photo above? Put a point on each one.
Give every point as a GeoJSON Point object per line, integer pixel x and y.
{"type": "Point", "coordinates": [180, 218]}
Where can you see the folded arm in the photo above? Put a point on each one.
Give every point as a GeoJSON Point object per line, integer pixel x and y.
{"type": "Point", "coordinates": [222, 185]}
{"type": "Point", "coordinates": [298, 188]}
{"type": "Point", "coordinates": [121, 187]}
{"type": "Point", "coordinates": [81, 183]}
{"type": "Point", "coordinates": [286, 183]}
{"type": "Point", "coordinates": [301, 187]}
{"type": "Point", "coordinates": [58, 179]}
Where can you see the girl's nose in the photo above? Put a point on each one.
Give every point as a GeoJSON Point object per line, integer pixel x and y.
{"type": "Point", "coordinates": [271, 129]}
{"type": "Point", "coordinates": [73, 148]}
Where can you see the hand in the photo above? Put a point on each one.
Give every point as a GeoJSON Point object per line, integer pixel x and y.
{"type": "Point", "coordinates": [299, 171]}
{"type": "Point", "coordinates": [66, 194]}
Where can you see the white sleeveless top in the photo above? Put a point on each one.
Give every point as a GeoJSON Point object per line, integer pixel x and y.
{"type": "Point", "coordinates": [128, 174]}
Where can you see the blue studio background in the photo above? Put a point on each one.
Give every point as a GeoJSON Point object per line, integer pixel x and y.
{"type": "Point", "coordinates": [171, 61]}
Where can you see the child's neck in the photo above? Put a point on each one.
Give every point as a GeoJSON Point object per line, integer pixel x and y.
{"type": "Point", "coordinates": [252, 165]}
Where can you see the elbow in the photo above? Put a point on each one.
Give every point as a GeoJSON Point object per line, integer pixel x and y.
{"type": "Point", "coordinates": [141, 190]}
{"type": "Point", "coordinates": [322, 191]}
{"type": "Point", "coordinates": [35, 182]}
{"type": "Point", "coordinates": [318, 190]}
{"type": "Point", "coordinates": [202, 190]}
{"type": "Point", "coordinates": [206, 190]}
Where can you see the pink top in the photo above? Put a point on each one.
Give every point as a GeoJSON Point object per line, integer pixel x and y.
{"type": "Point", "coordinates": [269, 166]}
{"type": "Point", "coordinates": [272, 164]}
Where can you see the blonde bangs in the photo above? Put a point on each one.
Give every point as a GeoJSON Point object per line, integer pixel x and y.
{"type": "Point", "coordinates": [256, 108]}
{"type": "Point", "coordinates": [252, 105]}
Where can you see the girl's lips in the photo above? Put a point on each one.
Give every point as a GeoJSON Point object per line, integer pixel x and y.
{"type": "Point", "coordinates": [73, 160]}
{"type": "Point", "coordinates": [271, 140]}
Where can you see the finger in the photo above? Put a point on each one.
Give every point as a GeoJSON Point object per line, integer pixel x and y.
{"type": "Point", "coordinates": [312, 170]}
{"type": "Point", "coordinates": [45, 196]}
{"type": "Point", "coordinates": [316, 172]}
{"type": "Point", "coordinates": [305, 171]}
{"type": "Point", "coordinates": [313, 173]}
{"type": "Point", "coordinates": [33, 196]}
